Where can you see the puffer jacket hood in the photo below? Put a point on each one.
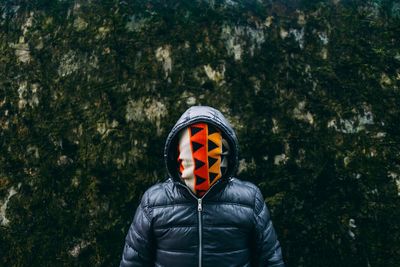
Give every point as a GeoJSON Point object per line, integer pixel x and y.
{"type": "Point", "coordinates": [229, 225]}
{"type": "Point", "coordinates": [200, 114]}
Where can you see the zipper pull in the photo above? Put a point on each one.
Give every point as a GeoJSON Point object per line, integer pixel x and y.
{"type": "Point", "coordinates": [199, 206]}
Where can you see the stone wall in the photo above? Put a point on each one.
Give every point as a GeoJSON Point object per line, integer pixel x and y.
{"type": "Point", "coordinates": [90, 89]}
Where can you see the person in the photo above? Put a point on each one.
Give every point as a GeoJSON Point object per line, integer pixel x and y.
{"type": "Point", "coordinates": [202, 215]}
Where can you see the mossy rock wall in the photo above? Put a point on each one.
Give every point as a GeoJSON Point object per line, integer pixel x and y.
{"type": "Point", "coordinates": [90, 89]}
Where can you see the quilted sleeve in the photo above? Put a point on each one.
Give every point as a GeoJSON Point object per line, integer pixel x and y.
{"type": "Point", "coordinates": [138, 250]}
{"type": "Point", "coordinates": [267, 250]}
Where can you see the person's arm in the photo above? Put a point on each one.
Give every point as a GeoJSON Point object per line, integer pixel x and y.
{"type": "Point", "coordinates": [268, 250]}
{"type": "Point", "coordinates": [138, 250]}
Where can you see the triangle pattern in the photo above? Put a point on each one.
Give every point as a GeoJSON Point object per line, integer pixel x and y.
{"type": "Point", "coordinates": [196, 146]}
{"type": "Point", "coordinates": [198, 164]}
{"type": "Point", "coordinates": [211, 130]}
{"type": "Point", "coordinates": [211, 161]}
{"type": "Point", "coordinates": [211, 145]}
{"type": "Point", "coordinates": [199, 180]}
{"type": "Point", "coordinates": [212, 177]}
{"type": "Point", "coordinates": [194, 130]}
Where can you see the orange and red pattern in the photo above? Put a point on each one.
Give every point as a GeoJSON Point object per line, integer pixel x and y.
{"type": "Point", "coordinates": [200, 162]}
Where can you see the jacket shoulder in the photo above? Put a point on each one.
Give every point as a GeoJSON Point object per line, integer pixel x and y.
{"type": "Point", "coordinates": [249, 192]}
{"type": "Point", "coordinates": [240, 192]}
{"type": "Point", "coordinates": [243, 183]}
{"type": "Point", "coordinates": [158, 194]}
{"type": "Point", "coordinates": [245, 187]}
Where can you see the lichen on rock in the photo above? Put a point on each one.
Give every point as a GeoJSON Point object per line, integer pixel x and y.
{"type": "Point", "coordinates": [90, 89]}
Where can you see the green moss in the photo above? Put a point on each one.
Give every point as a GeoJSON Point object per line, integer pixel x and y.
{"type": "Point", "coordinates": [89, 91]}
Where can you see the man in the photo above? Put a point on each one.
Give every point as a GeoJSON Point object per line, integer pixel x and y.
{"type": "Point", "coordinates": [201, 215]}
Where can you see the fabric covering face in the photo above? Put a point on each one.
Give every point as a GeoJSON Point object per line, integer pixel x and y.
{"type": "Point", "coordinates": [228, 226]}
{"type": "Point", "coordinates": [202, 156]}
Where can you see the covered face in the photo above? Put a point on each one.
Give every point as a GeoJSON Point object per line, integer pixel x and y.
{"type": "Point", "coordinates": [202, 156]}
{"type": "Point", "coordinates": [201, 149]}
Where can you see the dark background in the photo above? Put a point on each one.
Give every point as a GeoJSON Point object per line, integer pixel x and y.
{"type": "Point", "coordinates": [90, 89]}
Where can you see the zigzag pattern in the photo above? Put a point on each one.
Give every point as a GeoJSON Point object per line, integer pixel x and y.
{"type": "Point", "coordinates": [206, 149]}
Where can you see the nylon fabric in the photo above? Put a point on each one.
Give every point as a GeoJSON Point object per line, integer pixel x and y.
{"type": "Point", "coordinates": [235, 228]}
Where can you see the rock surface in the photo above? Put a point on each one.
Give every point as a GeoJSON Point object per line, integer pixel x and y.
{"type": "Point", "coordinates": [90, 89]}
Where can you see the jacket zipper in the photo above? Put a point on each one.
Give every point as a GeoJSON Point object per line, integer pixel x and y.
{"type": "Point", "coordinates": [199, 213]}
{"type": "Point", "coordinates": [199, 210]}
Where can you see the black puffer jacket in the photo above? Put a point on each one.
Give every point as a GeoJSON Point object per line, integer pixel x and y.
{"type": "Point", "coordinates": [229, 226]}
